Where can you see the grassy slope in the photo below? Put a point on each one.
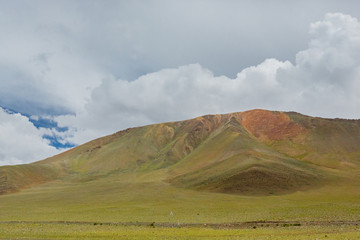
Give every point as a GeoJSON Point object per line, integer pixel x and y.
{"type": "Point", "coordinates": [143, 174]}
{"type": "Point", "coordinates": [131, 199]}
{"type": "Point", "coordinates": [17, 177]}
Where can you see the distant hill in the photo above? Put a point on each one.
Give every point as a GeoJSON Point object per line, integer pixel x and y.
{"type": "Point", "coordinates": [256, 152]}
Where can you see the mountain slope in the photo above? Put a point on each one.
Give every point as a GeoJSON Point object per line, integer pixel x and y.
{"type": "Point", "coordinates": [255, 152]}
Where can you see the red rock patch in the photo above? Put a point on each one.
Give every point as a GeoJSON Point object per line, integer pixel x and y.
{"type": "Point", "coordinates": [267, 125]}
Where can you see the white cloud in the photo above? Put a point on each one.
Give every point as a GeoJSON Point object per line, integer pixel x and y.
{"type": "Point", "coordinates": [324, 81]}
{"type": "Point", "coordinates": [21, 141]}
{"type": "Point", "coordinates": [172, 94]}
{"type": "Point", "coordinates": [326, 76]}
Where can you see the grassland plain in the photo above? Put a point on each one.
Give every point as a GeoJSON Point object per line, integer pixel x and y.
{"type": "Point", "coordinates": [109, 201]}
{"type": "Point", "coordinates": [241, 167]}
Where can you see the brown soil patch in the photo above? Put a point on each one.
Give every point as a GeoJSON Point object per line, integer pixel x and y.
{"type": "Point", "coordinates": [229, 225]}
{"type": "Point", "coordinates": [267, 125]}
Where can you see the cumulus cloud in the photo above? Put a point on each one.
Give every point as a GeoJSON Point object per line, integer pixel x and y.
{"type": "Point", "coordinates": [21, 141]}
{"type": "Point", "coordinates": [323, 81]}
{"type": "Point", "coordinates": [326, 76]}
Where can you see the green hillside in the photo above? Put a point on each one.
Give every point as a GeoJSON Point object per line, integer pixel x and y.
{"type": "Point", "coordinates": [246, 166]}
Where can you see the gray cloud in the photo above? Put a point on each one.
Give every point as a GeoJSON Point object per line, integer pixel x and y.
{"type": "Point", "coordinates": [62, 50]}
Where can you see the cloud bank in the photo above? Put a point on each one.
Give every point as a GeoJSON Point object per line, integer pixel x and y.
{"type": "Point", "coordinates": [323, 80]}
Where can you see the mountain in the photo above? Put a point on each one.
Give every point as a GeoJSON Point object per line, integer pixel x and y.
{"type": "Point", "coordinates": [256, 152]}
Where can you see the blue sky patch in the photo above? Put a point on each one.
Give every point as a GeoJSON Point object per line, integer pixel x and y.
{"type": "Point", "coordinates": [55, 142]}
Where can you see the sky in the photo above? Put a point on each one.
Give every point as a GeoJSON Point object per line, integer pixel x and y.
{"type": "Point", "coordinates": [72, 71]}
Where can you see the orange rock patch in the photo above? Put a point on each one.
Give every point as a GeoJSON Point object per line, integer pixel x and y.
{"type": "Point", "coordinates": [267, 125]}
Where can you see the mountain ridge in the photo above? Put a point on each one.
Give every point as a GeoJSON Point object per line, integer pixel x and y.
{"type": "Point", "coordinates": [256, 152]}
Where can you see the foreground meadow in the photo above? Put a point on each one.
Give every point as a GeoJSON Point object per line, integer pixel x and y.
{"type": "Point", "coordinates": [119, 210]}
